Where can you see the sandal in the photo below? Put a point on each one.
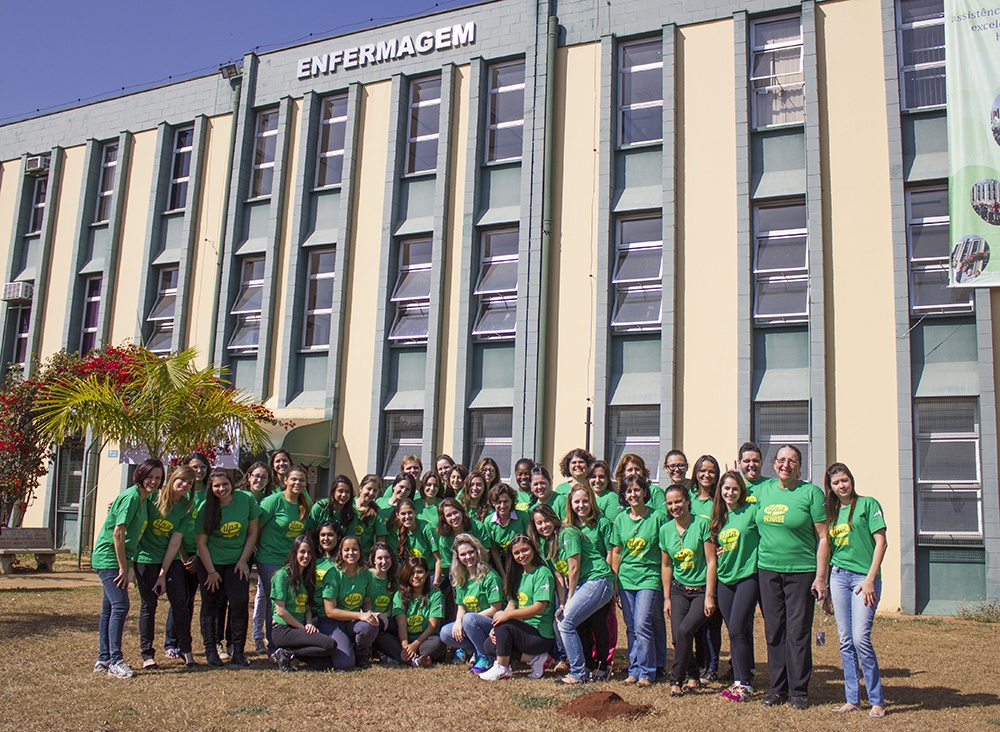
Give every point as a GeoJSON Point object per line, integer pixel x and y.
{"type": "Point", "coordinates": [691, 685]}
{"type": "Point", "coordinates": [149, 665]}
{"type": "Point", "coordinates": [676, 691]}
{"type": "Point", "coordinates": [847, 708]}
{"type": "Point", "coordinates": [877, 712]}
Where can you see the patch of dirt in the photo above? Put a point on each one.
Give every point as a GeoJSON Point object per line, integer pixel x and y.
{"type": "Point", "coordinates": [602, 706]}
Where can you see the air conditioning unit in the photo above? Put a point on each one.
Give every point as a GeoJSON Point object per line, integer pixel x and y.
{"type": "Point", "coordinates": [17, 292]}
{"type": "Point", "coordinates": [37, 164]}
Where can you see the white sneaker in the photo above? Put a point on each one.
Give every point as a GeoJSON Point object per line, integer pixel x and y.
{"type": "Point", "coordinates": [496, 672]}
{"type": "Point", "coordinates": [538, 665]}
{"type": "Point", "coordinates": [100, 667]}
{"type": "Point", "coordinates": [120, 670]}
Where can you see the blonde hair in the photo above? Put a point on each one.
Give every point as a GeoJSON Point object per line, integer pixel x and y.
{"type": "Point", "coordinates": [459, 574]}
{"type": "Point", "coordinates": [165, 501]}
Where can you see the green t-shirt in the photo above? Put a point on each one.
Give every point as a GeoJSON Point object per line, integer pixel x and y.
{"type": "Point", "coordinates": [523, 502]}
{"type": "Point", "coordinates": [785, 519]}
{"type": "Point", "coordinates": [446, 543]}
{"type": "Point", "coordinates": [279, 526]}
{"type": "Point", "coordinates": [701, 506]}
{"type": "Point", "coordinates": [573, 542]}
{"type": "Point", "coordinates": [657, 497]}
{"type": "Point", "coordinates": [226, 543]}
{"type": "Point", "coordinates": [501, 536]}
{"type": "Point", "coordinates": [156, 537]}
{"type": "Point", "coordinates": [190, 544]}
{"type": "Point", "coordinates": [295, 602]}
{"type": "Point", "coordinates": [320, 513]}
{"type": "Point", "coordinates": [418, 611]}
{"type": "Point", "coordinates": [754, 485]}
{"type": "Point", "coordinates": [538, 586]}
{"type": "Point", "coordinates": [477, 595]}
{"type": "Point", "coordinates": [130, 511]}
{"type": "Point", "coordinates": [852, 545]}
{"type": "Point", "coordinates": [640, 548]}
{"type": "Point", "coordinates": [738, 540]}
{"type": "Point", "coordinates": [600, 535]}
{"type": "Point", "coordinates": [427, 512]}
{"type": "Point", "coordinates": [608, 505]}
{"type": "Point", "coordinates": [687, 552]}
{"type": "Point", "coordinates": [349, 592]}
{"type": "Point", "coordinates": [368, 532]}
{"type": "Point", "coordinates": [423, 542]}
{"type": "Point", "coordinates": [381, 597]}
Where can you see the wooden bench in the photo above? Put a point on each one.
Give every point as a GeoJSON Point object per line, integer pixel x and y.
{"type": "Point", "coordinates": [28, 541]}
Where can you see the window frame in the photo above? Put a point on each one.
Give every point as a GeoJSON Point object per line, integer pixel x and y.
{"type": "Point", "coordinates": [624, 289]}
{"type": "Point", "coordinates": [106, 182]}
{"type": "Point", "coordinates": [905, 69]}
{"type": "Point", "coordinates": [625, 107]}
{"type": "Point", "coordinates": [313, 278]}
{"type": "Point", "coordinates": [618, 444]}
{"type": "Point", "coordinates": [917, 266]}
{"type": "Point", "coordinates": [323, 155]}
{"type": "Point", "coordinates": [181, 156]}
{"type": "Point", "coordinates": [22, 334]}
{"type": "Point", "coordinates": [39, 196]}
{"type": "Point", "coordinates": [402, 446]}
{"type": "Point", "coordinates": [492, 105]}
{"type": "Point", "coordinates": [767, 90]}
{"type": "Point", "coordinates": [764, 277]}
{"type": "Point", "coordinates": [91, 304]}
{"type": "Point", "coordinates": [479, 442]}
{"type": "Point", "coordinates": [489, 299]}
{"type": "Point", "coordinates": [774, 440]}
{"type": "Point", "coordinates": [262, 159]}
{"type": "Point", "coordinates": [412, 139]}
{"type": "Point", "coordinates": [247, 318]}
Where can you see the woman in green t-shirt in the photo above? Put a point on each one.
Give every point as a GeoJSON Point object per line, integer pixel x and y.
{"type": "Point", "coordinates": [403, 486]}
{"type": "Point", "coordinates": [522, 483]}
{"type": "Point", "coordinates": [157, 570]}
{"type": "Point", "coordinates": [503, 524]}
{"type": "Point", "coordinates": [734, 531]}
{"type": "Point", "coordinates": [490, 471]}
{"type": "Point", "coordinates": [259, 483]}
{"type": "Point", "coordinates": [226, 532]}
{"type": "Point", "coordinates": [542, 493]}
{"type": "Point", "coordinates": [114, 550]}
{"type": "Point", "coordinates": [429, 497]}
{"type": "Point", "coordinates": [524, 626]}
{"type": "Point", "coordinates": [338, 509]}
{"type": "Point", "coordinates": [599, 480]}
{"type": "Point", "coordinates": [856, 527]}
{"type": "Point", "coordinates": [689, 576]}
{"type": "Point", "coordinates": [281, 463]}
{"type": "Point", "coordinates": [474, 496]}
{"type": "Point", "coordinates": [452, 521]}
{"type": "Point", "coordinates": [574, 466]}
{"type": "Point", "coordinates": [478, 595]}
{"type": "Point", "coordinates": [708, 642]}
{"type": "Point", "coordinates": [295, 633]}
{"type": "Point", "coordinates": [456, 479]}
{"type": "Point", "coordinates": [384, 571]}
{"type": "Point", "coordinates": [370, 527]}
{"type": "Point", "coordinates": [347, 606]}
{"type": "Point", "coordinates": [418, 610]}
{"type": "Point", "coordinates": [410, 538]}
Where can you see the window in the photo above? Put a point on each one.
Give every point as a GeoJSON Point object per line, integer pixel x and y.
{"type": "Point", "coordinates": [248, 306]}
{"type": "Point", "coordinates": [162, 313]}
{"type": "Point", "coordinates": [781, 264]}
{"type": "Point", "coordinates": [636, 430]}
{"type": "Point", "coordinates": [106, 186]}
{"type": "Point", "coordinates": [496, 285]}
{"type": "Point", "coordinates": [776, 72]}
{"type": "Point", "coordinates": [319, 299]}
{"type": "Point", "coordinates": [637, 274]}
{"type": "Point", "coordinates": [927, 238]}
{"type": "Point", "coordinates": [412, 293]}
{"type": "Point", "coordinates": [180, 170]}
{"type": "Point", "coordinates": [781, 423]}
{"type": "Point", "coordinates": [949, 491]}
{"type": "Point", "coordinates": [38, 193]}
{"type": "Point", "coordinates": [492, 433]}
{"type": "Point", "coordinates": [920, 29]}
{"type": "Point", "coordinates": [424, 125]}
{"type": "Point", "coordinates": [332, 133]}
{"type": "Point", "coordinates": [404, 435]}
{"type": "Point", "coordinates": [22, 330]}
{"type": "Point", "coordinates": [265, 145]}
{"type": "Point", "coordinates": [505, 127]}
{"type": "Point", "coordinates": [640, 92]}
{"type": "Point", "coordinates": [91, 314]}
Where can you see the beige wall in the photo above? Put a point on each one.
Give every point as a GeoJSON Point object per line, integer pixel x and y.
{"type": "Point", "coordinates": [454, 277]}
{"type": "Point", "coordinates": [570, 377]}
{"type": "Point", "coordinates": [860, 361]}
{"type": "Point", "coordinates": [708, 313]}
{"type": "Point", "coordinates": [358, 346]}
{"type": "Point", "coordinates": [10, 176]}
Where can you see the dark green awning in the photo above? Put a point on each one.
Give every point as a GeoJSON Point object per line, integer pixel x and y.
{"type": "Point", "coordinates": [309, 444]}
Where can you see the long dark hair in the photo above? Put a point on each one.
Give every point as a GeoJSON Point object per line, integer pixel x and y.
{"type": "Point", "coordinates": [146, 467]}
{"type": "Point", "coordinates": [515, 571]}
{"type": "Point", "coordinates": [405, 589]}
{"type": "Point", "coordinates": [547, 512]}
{"type": "Point", "coordinates": [695, 485]}
{"type": "Point", "coordinates": [393, 571]}
{"type": "Point", "coordinates": [629, 481]}
{"type": "Point", "coordinates": [212, 507]}
{"type": "Point", "coordinates": [481, 505]}
{"type": "Point", "coordinates": [403, 548]}
{"type": "Point", "coordinates": [339, 559]}
{"type": "Point", "coordinates": [244, 483]}
{"type": "Point", "coordinates": [832, 499]}
{"type": "Point", "coordinates": [720, 509]}
{"type": "Point", "coordinates": [336, 532]}
{"type": "Point", "coordinates": [443, 527]}
{"type": "Point", "coordinates": [343, 518]}
{"type": "Point", "coordinates": [298, 578]}
{"type": "Point", "coordinates": [195, 455]}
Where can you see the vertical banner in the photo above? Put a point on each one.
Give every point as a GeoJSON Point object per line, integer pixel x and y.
{"type": "Point", "coordinates": [972, 67]}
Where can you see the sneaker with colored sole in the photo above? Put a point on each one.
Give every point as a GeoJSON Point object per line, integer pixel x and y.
{"type": "Point", "coordinates": [100, 667]}
{"type": "Point", "coordinates": [538, 666]}
{"type": "Point", "coordinates": [120, 670]}
{"type": "Point", "coordinates": [481, 665]}
{"type": "Point", "coordinates": [496, 672]}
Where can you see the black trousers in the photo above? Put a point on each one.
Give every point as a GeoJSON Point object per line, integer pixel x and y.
{"type": "Point", "coordinates": [177, 595]}
{"type": "Point", "coordinates": [687, 616]}
{"type": "Point", "coordinates": [234, 588]}
{"type": "Point", "coordinates": [517, 636]}
{"type": "Point", "coordinates": [170, 639]}
{"type": "Point", "coordinates": [388, 643]}
{"type": "Point", "coordinates": [737, 603]}
{"type": "Point", "coordinates": [318, 647]}
{"type": "Point", "coordinates": [788, 605]}
{"type": "Point", "coordinates": [594, 633]}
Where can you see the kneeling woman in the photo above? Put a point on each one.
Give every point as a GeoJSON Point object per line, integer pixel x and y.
{"type": "Point", "coordinates": [525, 625]}
{"type": "Point", "coordinates": [347, 601]}
{"type": "Point", "coordinates": [293, 592]}
{"type": "Point", "coordinates": [689, 575]}
{"type": "Point", "coordinates": [419, 611]}
{"type": "Point", "coordinates": [478, 597]}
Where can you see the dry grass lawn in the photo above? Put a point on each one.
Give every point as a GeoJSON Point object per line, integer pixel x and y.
{"type": "Point", "coordinates": [938, 674]}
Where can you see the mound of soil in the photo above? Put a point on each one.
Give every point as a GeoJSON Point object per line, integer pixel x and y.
{"type": "Point", "coordinates": [602, 706]}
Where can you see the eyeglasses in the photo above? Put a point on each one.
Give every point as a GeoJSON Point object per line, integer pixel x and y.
{"type": "Point", "coordinates": [790, 462]}
{"type": "Point", "coordinates": [674, 468]}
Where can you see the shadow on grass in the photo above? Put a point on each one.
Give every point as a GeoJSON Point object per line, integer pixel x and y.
{"type": "Point", "coordinates": [45, 624]}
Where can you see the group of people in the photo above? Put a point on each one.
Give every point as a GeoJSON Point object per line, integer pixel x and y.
{"type": "Point", "coordinates": [452, 561]}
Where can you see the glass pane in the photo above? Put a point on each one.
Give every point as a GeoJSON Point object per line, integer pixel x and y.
{"type": "Point", "coordinates": [947, 461]}
{"type": "Point", "coordinates": [497, 277]}
{"type": "Point", "coordinates": [422, 90]}
{"type": "Point", "coordinates": [423, 156]}
{"type": "Point", "coordinates": [413, 284]}
{"type": "Point", "coordinates": [93, 288]}
{"type": "Point", "coordinates": [185, 138]}
{"type": "Point", "coordinates": [636, 265]}
{"type": "Point", "coordinates": [163, 308]}
{"type": "Point", "coordinates": [781, 218]}
{"type": "Point", "coordinates": [781, 254]}
{"type": "Point", "coordinates": [320, 294]}
{"type": "Point", "coordinates": [930, 291]}
{"type": "Point", "coordinates": [642, 125]}
{"type": "Point", "coordinates": [506, 142]}
{"type": "Point", "coordinates": [911, 11]}
{"type": "Point", "coordinates": [637, 307]}
{"type": "Point", "coordinates": [262, 178]}
{"type": "Point", "coordinates": [506, 75]}
{"type": "Point", "coordinates": [775, 67]}
{"type": "Point", "coordinates": [253, 269]}
{"type": "Point", "coordinates": [951, 416]}
{"type": "Point", "coordinates": [178, 195]}
{"type": "Point", "coordinates": [331, 171]}
{"type": "Point", "coordinates": [500, 243]}
{"type": "Point", "coordinates": [923, 45]}
{"type": "Point", "coordinates": [947, 511]}
{"type": "Point", "coordinates": [103, 208]}
{"type": "Point", "coordinates": [182, 164]}
{"type": "Point", "coordinates": [783, 30]}
{"type": "Point", "coordinates": [924, 87]}
{"type": "Point", "coordinates": [250, 299]}
{"type": "Point", "coordinates": [108, 179]}
{"type": "Point", "coordinates": [492, 436]}
{"type": "Point", "coordinates": [496, 317]}
{"type": "Point", "coordinates": [640, 54]}
{"type": "Point", "coordinates": [90, 313]}
{"type": "Point", "coordinates": [335, 107]}
{"type": "Point", "coordinates": [779, 107]}
{"type": "Point", "coordinates": [247, 334]}
{"type": "Point", "coordinates": [641, 86]}
{"type": "Point", "coordinates": [403, 436]}
{"type": "Point", "coordinates": [265, 150]}
{"type": "Point", "coordinates": [636, 231]}
{"type": "Point", "coordinates": [781, 298]}
{"type": "Point", "coordinates": [267, 121]}
{"type": "Point", "coordinates": [929, 241]}
{"type": "Point", "coordinates": [635, 430]}
{"type": "Point", "coordinates": [415, 252]}
{"type": "Point", "coordinates": [928, 202]}
{"type": "Point", "coordinates": [425, 120]}
{"type": "Point", "coordinates": [317, 331]}
{"type": "Point", "coordinates": [110, 153]}
{"type": "Point", "coordinates": [507, 106]}
{"type": "Point", "coordinates": [322, 261]}
{"type": "Point", "coordinates": [168, 279]}
{"type": "Point", "coordinates": [411, 323]}
{"type": "Point", "coordinates": [159, 342]}
{"type": "Point", "coordinates": [332, 136]}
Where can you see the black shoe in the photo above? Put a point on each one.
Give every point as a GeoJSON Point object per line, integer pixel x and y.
{"type": "Point", "coordinates": [212, 657]}
{"type": "Point", "coordinates": [774, 700]}
{"type": "Point", "coordinates": [661, 674]}
{"type": "Point", "coordinates": [282, 660]}
{"type": "Point", "coordinates": [798, 702]}
{"type": "Point", "coordinates": [239, 659]}
{"type": "Point", "coordinates": [259, 647]}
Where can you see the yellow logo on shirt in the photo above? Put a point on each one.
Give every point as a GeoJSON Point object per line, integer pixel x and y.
{"type": "Point", "coordinates": [416, 553]}
{"type": "Point", "coordinates": [775, 513]}
{"type": "Point", "coordinates": [562, 567]}
{"type": "Point", "coordinates": [381, 603]}
{"type": "Point", "coordinates": [294, 529]}
{"type": "Point", "coordinates": [231, 529]}
{"type": "Point", "coordinates": [471, 603]}
{"type": "Point", "coordinates": [415, 623]}
{"type": "Point", "coordinates": [300, 602]}
{"type": "Point", "coordinates": [635, 545]}
{"type": "Point", "coordinates": [839, 534]}
{"type": "Point", "coordinates": [729, 540]}
{"type": "Point", "coordinates": [522, 599]}
{"type": "Point", "coordinates": [162, 527]}
{"type": "Point", "coordinates": [359, 531]}
{"type": "Point", "coordinates": [751, 499]}
{"type": "Point", "coordinates": [320, 574]}
{"type": "Point", "coordinates": [684, 559]}
{"type": "Point", "coordinates": [352, 601]}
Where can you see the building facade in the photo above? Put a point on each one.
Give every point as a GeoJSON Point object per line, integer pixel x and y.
{"type": "Point", "coordinates": [525, 226]}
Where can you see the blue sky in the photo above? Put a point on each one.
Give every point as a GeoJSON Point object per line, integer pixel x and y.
{"type": "Point", "coordinates": [56, 52]}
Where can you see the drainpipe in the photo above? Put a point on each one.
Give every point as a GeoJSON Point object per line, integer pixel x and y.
{"type": "Point", "coordinates": [547, 177]}
{"type": "Point", "coordinates": [238, 88]}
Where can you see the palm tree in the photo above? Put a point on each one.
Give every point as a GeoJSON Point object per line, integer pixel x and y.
{"type": "Point", "coordinates": [164, 406]}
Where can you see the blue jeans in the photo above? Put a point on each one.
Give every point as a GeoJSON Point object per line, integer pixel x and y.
{"type": "Point", "coordinates": [262, 601]}
{"type": "Point", "coordinates": [640, 609]}
{"type": "Point", "coordinates": [113, 612]}
{"type": "Point", "coordinates": [475, 628]}
{"type": "Point", "coordinates": [589, 597]}
{"type": "Point", "coordinates": [854, 626]}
